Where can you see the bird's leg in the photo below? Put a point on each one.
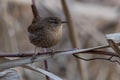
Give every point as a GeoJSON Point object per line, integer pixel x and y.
{"type": "Point", "coordinates": [34, 55]}
{"type": "Point", "coordinates": [52, 53]}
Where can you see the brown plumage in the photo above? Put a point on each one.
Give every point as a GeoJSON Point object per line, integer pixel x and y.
{"type": "Point", "coordinates": [45, 32]}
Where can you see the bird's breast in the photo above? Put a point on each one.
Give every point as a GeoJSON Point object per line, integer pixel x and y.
{"type": "Point", "coordinates": [46, 38]}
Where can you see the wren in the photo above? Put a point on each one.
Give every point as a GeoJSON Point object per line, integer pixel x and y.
{"type": "Point", "coordinates": [45, 32]}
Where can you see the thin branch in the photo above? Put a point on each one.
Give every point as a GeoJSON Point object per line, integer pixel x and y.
{"type": "Point", "coordinates": [114, 46]}
{"type": "Point", "coordinates": [109, 59]}
{"type": "Point", "coordinates": [19, 62]}
{"type": "Point", "coordinates": [39, 70]}
{"type": "Point", "coordinates": [77, 51]}
{"type": "Point", "coordinates": [23, 61]}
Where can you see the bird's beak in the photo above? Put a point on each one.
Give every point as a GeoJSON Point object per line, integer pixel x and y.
{"type": "Point", "coordinates": [64, 22]}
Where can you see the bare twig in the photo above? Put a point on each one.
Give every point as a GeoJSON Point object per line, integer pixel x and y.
{"type": "Point", "coordinates": [109, 59]}
{"type": "Point", "coordinates": [114, 46]}
{"type": "Point", "coordinates": [76, 51]}
{"type": "Point", "coordinates": [39, 70]}
{"type": "Point", "coordinates": [23, 61]}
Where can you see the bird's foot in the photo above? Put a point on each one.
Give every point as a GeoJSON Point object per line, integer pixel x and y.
{"type": "Point", "coordinates": [52, 53]}
{"type": "Point", "coordinates": [33, 57]}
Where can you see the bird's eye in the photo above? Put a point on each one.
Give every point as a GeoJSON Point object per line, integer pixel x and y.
{"type": "Point", "coordinates": [53, 21]}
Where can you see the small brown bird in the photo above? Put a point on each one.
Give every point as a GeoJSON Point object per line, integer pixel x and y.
{"type": "Point", "coordinates": [45, 32]}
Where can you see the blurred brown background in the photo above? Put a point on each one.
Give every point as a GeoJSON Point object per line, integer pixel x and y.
{"type": "Point", "coordinates": [92, 19]}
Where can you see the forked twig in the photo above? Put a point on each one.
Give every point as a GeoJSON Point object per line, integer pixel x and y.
{"type": "Point", "coordinates": [90, 59]}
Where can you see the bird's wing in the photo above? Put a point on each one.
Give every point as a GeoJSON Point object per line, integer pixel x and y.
{"type": "Point", "coordinates": [33, 28]}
